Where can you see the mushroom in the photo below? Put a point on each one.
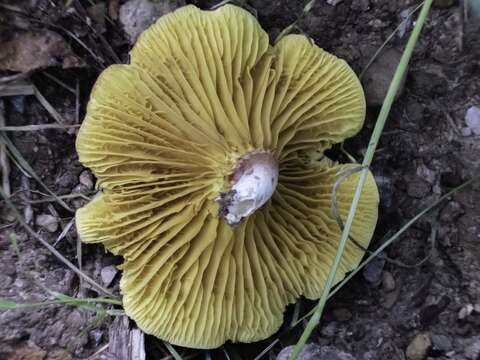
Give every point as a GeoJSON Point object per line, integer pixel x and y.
{"type": "Point", "coordinates": [208, 151]}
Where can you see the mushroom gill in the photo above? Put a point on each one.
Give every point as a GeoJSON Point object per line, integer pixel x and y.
{"type": "Point", "coordinates": [208, 150]}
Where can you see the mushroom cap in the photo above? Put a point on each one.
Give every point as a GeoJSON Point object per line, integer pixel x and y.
{"type": "Point", "coordinates": [163, 134]}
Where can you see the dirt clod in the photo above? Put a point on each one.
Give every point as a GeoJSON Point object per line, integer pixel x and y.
{"type": "Point", "coordinates": [48, 222]}
{"type": "Point", "coordinates": [30, 50]}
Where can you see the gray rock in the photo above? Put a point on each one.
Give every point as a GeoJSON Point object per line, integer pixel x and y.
{"type": "Point", "coordinates": [418, 347]}
{"type": "Point", "coordinates": [472, 119]}
{"type": "Point", "coordinates": [378, 77]}
{"type": "Point", "coordinates": [315, 352]}
{"type": "Point", "coordinates": [137, 15]}
{"type": "Point", "coordinates": [48, 222]}
{"type": "Point", "coordinates": [373, 271]}
{"type": "Point", "coordinates": [441, 343]}
{"type": "Point", "coordinates": [86, 179]}
{"type": "Point", "coordinates": [472, 351]}
{"type": "Point", "coordinates": [334, 2]}
{"type": "Point", "coordinates": [388, 281]}
{"type": "Point", "coordinates": [465, 311]}
{"type": "Point", "coordinates": [108, 274]}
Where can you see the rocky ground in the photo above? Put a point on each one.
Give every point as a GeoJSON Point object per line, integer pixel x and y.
{"type": "Point", "coordinates": [423, 305]}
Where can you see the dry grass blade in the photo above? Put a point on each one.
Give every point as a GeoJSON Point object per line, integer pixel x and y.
{"type": "Point", "coordinates": [63, 234]}
{"type": "Point", "coordinates": [59, 82]}
{"type": "Point", "coordinates": [172, 351]}
{"type": "Point", "coordinates": [14, 77]}
{"type": "Point", "coordinates": [48, 107]}
{"type": "Point", "coordinates": [267, 349]}
{"type": "Point", "coordinates": [37, 127]}
{"type": "Point", "coordinates": [64, 300]}
{"type": "Point", "coordinates": [54, 251]}
{"type": "Point", "coordinates": [4, 163]}
{"type": "Point", "coordinates": [23, 164]}
{"type": "Point", "coordinates": [16, 89]}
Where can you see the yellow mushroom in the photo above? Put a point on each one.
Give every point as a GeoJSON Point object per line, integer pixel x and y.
{"type": "Point", "coordinates": [208, 151]}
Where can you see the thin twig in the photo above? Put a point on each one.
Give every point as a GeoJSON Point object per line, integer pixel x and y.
{"type": "Point", "coordinates": [63, 234]}
{"type": "Point", "coordinates": [14, 77]}
{"type": "Point", "coordinates": [54, 251]}
{"type": "Point", "coordinates": [15, 89]}
{"type": "Point", "coordinates": [37, 127]}
{"type": "Point", "coordinates": [77, 101]}
{"type": "Point", "coordinates": [59, 82]}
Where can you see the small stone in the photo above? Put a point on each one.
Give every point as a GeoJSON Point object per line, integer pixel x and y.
{"type": "Point", "coordinates": [48, 222]}
{"type": "Point", "coordinates": [108, 274]}
{"type": "Point", "coordinates": [315, 352]}
{"type": "Point", "coordinates": [406, 22]}
{"type": "Point", "coordinates": [334, 2]}
{"type": "Point", "coordinates": [96, 336]}
{"type": "Point", "coordinates": [377, 78]}
{"type": "Point", "coordinates": [418, 348]}
{"type": "Point", "coordinates": [465, 311]}
{"type": "Point", "coordinates": [373, 271]}
{"type": "Point", "coordinates": [342, 314]}
{"type": "Point", "coordinates": [472, 351]}
{"type": "Point", "coordinates": [388, 281]}
{"type": "Point", "coordinates": [441, 344]}
{"type": "Point", "coordinates": [418, 188]}
{"type": "Point", "coordinates": [86, 179]}
{"type": "Point", "coordinates": [138, 15]}
{"type": "Point", "coordinates": [472, 119]}
{"type": "Point", "coordinates": [465, 132]}
{"type": "Point", "coordinates": [391, 298]}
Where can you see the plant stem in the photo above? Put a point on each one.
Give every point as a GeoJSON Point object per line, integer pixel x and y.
{"type": "Point", "coordinates": [377, 131]}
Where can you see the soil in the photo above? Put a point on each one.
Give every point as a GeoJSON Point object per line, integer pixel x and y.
{"type": "Point", "coordinates": [430, 307]}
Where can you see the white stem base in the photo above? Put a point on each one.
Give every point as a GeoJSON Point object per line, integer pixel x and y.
{"type": "Point", "coordinates": [254, 182]}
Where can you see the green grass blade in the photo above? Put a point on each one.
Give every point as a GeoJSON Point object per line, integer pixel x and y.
{"type": "Point", "coordinates": [379, 125]}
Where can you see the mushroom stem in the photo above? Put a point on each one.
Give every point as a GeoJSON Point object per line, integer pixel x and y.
{"type": "Point", "coordinates": [253, 183]}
